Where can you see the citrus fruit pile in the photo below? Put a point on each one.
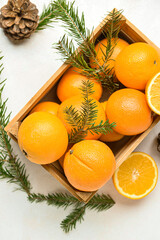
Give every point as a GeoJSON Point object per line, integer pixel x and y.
{"type": "Point", "coordinates": [88, 164]}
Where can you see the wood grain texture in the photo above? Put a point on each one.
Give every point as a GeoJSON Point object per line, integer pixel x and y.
{"type": "Point", "coordinates": [131, 34]}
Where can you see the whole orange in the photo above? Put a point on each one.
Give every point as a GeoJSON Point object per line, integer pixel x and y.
{"type": "Point", "coordinates": [104, 104]}
{"type": "Point", "coordinates": [42, 137]}
{"type": "Point", "coordinates": [76, 102]}
{"type": "Point", "coordinates": [128, 108]}
{"type": "Point", "coordinates": [72, 81]}
{"type": "Point", "coordinates": [100, 49]}
{"type": "Point", "coordinates": [89, 164]}
{"type": "Point", "coordinates": [50, 107]}
{"type": "Point", "coordinates": [112, 136]}
{"type": "Point", "coordinates": [137, 64]}
{"type": "Point", "coordinates": [61, 159]}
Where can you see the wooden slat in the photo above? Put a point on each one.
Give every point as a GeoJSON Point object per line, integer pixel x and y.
{"type": "Point", "coordinates": [136, 35]}
{"type": "Point", "coordinates": [82, 196]}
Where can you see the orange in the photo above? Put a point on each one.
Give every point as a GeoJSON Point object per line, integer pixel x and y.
{"type": "Point", "coordinates": [72, 81]}
{"type": "Point", "coordinates": [112, 136]}
{"type": "Point", "coordinates": [76, 102]}
{"type": "Point", "coordinates": [153, 93]}
{"type": "Point", "coordinates": [128, 108]}
{"type": "Point", "coordinates": [42, 137]}
{"type": "Point", "coordinates": [100, 49]}
{"type": "Point", "coordinates": [136, 65]}
{"type": "Point", "coordinates": [137, 176]}
{"type": "Point", "coordinates": [104, 104]}
{"type": "Point", "coordinates": [61, 160]}
{"type": "Point", "coordinates": [50, 107]}
{"type": "Point", "coordinates": [89, 164]}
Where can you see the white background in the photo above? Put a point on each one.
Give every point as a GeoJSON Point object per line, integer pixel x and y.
{"type": "Point", "coordinates": [28, 66]}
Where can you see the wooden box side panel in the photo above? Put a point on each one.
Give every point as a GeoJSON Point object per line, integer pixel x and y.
{"type": "Point", "coordinates": [135, 35]}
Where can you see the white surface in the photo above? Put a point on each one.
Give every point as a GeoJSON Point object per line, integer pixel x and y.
{"type": "Point", "coordinates": [28, 66]}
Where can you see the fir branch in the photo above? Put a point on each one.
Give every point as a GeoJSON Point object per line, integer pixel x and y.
{"type": "Point", "coordinates": [113, 24]}
{"type": "Point", "coordinates": [100, 202]}
{"type": "Point", "coordinates": [83, 120]}
{"type": "Point", "coordinates": [75, 27]}
{"type": "Point", "coordinates": [88, 108]}
{"type": "Point", "coordinates": [111, 30]}
{"type": "Point", "coordinates": [69, 16]}
{"type": "Point", "coordinates": [72, 116]}
{"type": "Point", "coordinates": [103, 128]}
{"type": "Point", "coordinates": [76, 135]}
{"type": "Point", "coordinates": [10, 168]}
{"type": "Point", "coordinates": [47, 17]}
{"type": "Point", "coordinates": [77, 215]}
{"type": "Point", "coordinates": [57, 199]}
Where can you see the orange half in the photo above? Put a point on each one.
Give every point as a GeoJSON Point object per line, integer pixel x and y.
{"type": "Point", "coordinates": [153, 93]}
{"type": "Point", "coordinates": [137, 176]}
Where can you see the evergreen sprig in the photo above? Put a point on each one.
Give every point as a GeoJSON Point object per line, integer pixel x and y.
{"type": "Point", "coordinates": [77, 215]}
{"type": "Point", "coordinates": [83, 121]}
{"type": "Point", "coordinates": [76, 29]}
{"type": "Point", "coordinates": [98, 203]}
{"type": "Point", "coordinates": [46, 18]}
{"type": "Point", "coordinates": [111, 30]}
{"type": "Point", "coordinates": [69, 16]}
{"type": "Point", "coordinates": [77, 34]}
{"type": "Point", "coordinates": [10, 166]}
{"type": "Point", "coordinates": [56, 199]}
{"type": "Point", "coordinates": [14, 171]}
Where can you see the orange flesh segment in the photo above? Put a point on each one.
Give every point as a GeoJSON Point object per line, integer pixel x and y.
{"type": "Point", "coordinates": [155, 93]}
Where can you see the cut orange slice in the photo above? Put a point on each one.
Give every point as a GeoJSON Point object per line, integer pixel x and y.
{"type": "Point", "coordinates": [153, 93]}
{"type": "Point", "coordinates": [137, 176]}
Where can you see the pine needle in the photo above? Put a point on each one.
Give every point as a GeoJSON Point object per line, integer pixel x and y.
{"type": "Point", "coordinates": [69, 17]}
{"type": "Point", "coordinates": [83, 121]}
{"type": "Point", "coordinates": [98, 202]}
{"type": "Point", "coordinates": [10, 166]}
{"type": "Point", "coordinates": [73, 116]}
{"type": "Point", "coordinates": [70, 222]}
{"type": "Point", "coordinates": [57, 199]}
{"type": "Point", "coordinates": [64, 11]}
{"type": "Point", "coordinates": [47, 17]}
{"type": "Point", "coordinates": [75, 27]}
{"type": "Point", "coordinates": [102, 128]}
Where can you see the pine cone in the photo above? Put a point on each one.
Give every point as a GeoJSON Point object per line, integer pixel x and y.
{"type": "Point", "coordinates": [19, 19]}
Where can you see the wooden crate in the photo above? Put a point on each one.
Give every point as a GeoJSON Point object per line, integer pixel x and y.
{"type": "Point", "coordinates": [48, 92]}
